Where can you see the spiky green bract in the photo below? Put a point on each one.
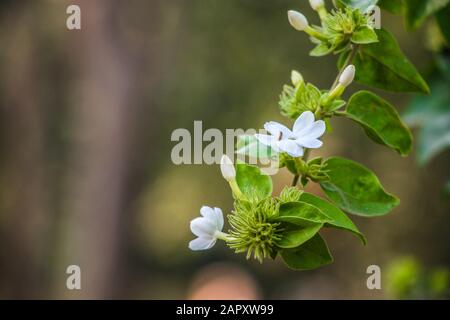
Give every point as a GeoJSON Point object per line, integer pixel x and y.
{"type": "Point", "coordinates": [289, 194]}
{"type": "Point", "coordinates": [343, 22]}
{"type": "Point", "coordinates": [294, 101]}
{"type": "Point", "coordinates": [251, 230]}
{"type": "Point", "coordinates": [342, 27]}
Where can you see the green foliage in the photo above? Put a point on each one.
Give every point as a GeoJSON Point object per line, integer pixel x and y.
{"type": "Point", "coordinates": [251, 230]}
{"type": "Point", "coordinates": [442, 18]}
{"type": "Point", "coordinates": [342, 27]}
{"type": "Point", "coordinates": [356, 189]}
{"type": "Point", "coordinates": [293, 237]}
{"type": "Point", "coordinates": [311, 255]}
{"type": "Point", "coordinates": [432, 115]}
{"type": "Point", "coordinates": [290, 194]}
{"type": "Point", "coordinates": [364, 35]}
{"type": "Point", "coordinates": [252, 182]}
{"type": "Point", "coordinates": [383, 65]}
{"type": "Point", "coordinates": [393, 6]}
{"type": "Point", "coordinates": [337, 218]}
{"type": "Point", "coordinates": [301, 213]}
{"type": "Point", "coordinates": [418, 10]}
{"type": "Point", "coordinates": [289, 224]}
{"type": "Point", "coordinates": [380, 121]}
{"type": "Point", "coordinates": [295, 101]}
{"type": "Point", "coordinates": [407, 278]}
{"type": "Point", "coordinates": [403, 277]}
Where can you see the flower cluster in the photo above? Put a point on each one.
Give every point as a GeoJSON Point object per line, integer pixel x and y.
{"type": "Point", "coordinates": [252, 227]}
{"type": "Point", "coordinates": [302, 97]}
{"type": "Point", "coordinates": [340, 28]}
{"type": "Point", "coordinates": [266, 226]}
{"type": "Point", "coordinates": [305, 134]}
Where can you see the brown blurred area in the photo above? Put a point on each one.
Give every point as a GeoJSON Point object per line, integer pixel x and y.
{"type": "Point", "coordinates": [85, 171]}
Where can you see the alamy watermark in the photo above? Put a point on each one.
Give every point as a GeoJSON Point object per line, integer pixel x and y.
{"type": "Point", "coordinates": [208, 146]}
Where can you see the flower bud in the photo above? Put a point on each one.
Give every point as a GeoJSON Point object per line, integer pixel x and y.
{"type": "Point", "coordinates": [227, 168]}
{"type": "Point", "coordinates": [316, 4]}
{"type": "Point", "coordinates": [296, 78]}
{"type": "Point", "coordinates": [347, 75]}
{"type": "Point", "coordinates": [297, 20]}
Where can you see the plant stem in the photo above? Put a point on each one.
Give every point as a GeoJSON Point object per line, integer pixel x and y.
{"type": "Point", "coordinates": [297, 176]}
{"type": "Point", "coordinates": [339, 113]}
{"type": "Point", "coordinates": [222, 236]}
{"type": "Point", "coordinates": [295, 180]}
{"type": "Point", "coordinates": [347, 63]}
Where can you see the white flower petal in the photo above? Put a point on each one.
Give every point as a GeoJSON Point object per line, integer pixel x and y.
{"type": "Point", "coordinates": [290, 147]}
{"type": "Point", "coordinates": [297, 20]}
{"type": "Point", "coordinates": [315, 131]}
{"type": "Point", "coordinates": [227, 168]}
{"type": "Point", "coordinates": [201, 244]}
{"type": "Point", "coordinates": [219, 218]}
{"type": "Point", "coordinates": [203, 227]}
{"type": "Point", "coordinates": [207, 212]}
{"type": "Point", "coordinates": [265, 139]}
{"type": "Point", "coordinates": [275, 128]}
{"type": "Point", "coordinates": [305, 120]}
{"type": "Point", "coordinates": [347, 75]}
{"type": "Point", "coordinates": [309, 143]}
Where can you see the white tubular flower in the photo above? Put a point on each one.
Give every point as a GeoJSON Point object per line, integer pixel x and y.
{"type": "Point", "coordinates": [297, 20]}
{"type": "Point", "coordinates": [280, 139]}
{"type": "Point", "coordinates": [208, 228]}
{"type": "Point", "coordinates": [296, 78]}
{"type": "Point", "coordinates": [316, 4]}
{"type": "Point", "coordinates": [307, 131]}
{"type": "Point", "coordinates": [227, 168]}
{"type": "Point", "coordinates": [347, 75]}
{"type": "Point", "coordinates": [305, 134]}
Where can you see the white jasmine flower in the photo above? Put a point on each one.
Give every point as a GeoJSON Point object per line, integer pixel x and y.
{"type": "Point", "coordinates": [208, 228]}
{"type": "Point", "coordinates": [347, 75]}
{"type": "Point", "coordinates": [280, 139]}
{"type": "Point", "coordinates": [305, 134]}
{"type": "Point", "coordinates": [307, 131]}
{"type": "Point", "coordinates": [227, 168]}
{"type": "Point", "coordinates": [297, 20]}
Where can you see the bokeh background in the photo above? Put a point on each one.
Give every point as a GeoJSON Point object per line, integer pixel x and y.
{"type": "Point", "coordinates": [86, 176]}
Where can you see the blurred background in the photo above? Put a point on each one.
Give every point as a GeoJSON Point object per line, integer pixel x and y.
{"type": "Point", "coordinates": [86, 176]}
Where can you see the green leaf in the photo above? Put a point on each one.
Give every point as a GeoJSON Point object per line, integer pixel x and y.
{"type": "Point", "coordinates": [338, 218]}
{"type": "Point", "coordinates": [393, 6]}
{"type": "Point", "coordinates": [294, 237]}
{"type": "Point", "coordinates": [311, 255]}
{"type": "Point", "coordinates": [252, 182]}
{"type": "Point", "coordinates": [418, 10]}
{"type": "Point", "coordinates": [356, 189]}
{"type": "Point", "coordinates": [363, 5]}
{"type": "Point", "coordinates": [442, 18]}
{"type": "Point", "coordinates": [433, 139]}
{"type": "Point", "coordinates": [322, 49]}
{"type": "Point", "coordinates": [380, 120]}
{"type": "Point", "coordinates": [364, 35]}
{"type": "Point", "coordinates": [248, 145]}
{"type": "Point", "coordinates": [432, 114]}
{"type": "Point", "coordinates": [301, 213]}
{"type": "Point", "coordinates": [383, 65]}
{"type": "Point", "coordinates": [335, 105]}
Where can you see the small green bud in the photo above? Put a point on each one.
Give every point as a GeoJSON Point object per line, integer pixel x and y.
{"type": "Point", "coordinates": [296, 78]}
